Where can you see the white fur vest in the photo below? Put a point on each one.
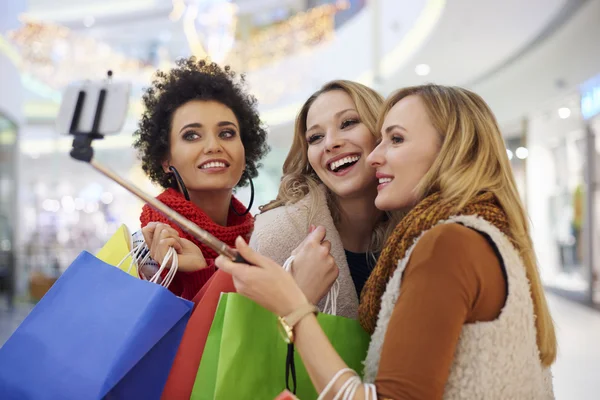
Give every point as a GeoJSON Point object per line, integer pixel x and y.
{"type": "Point", "coordinates": [493, 360]}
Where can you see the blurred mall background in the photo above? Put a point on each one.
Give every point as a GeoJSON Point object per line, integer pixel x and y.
{"type": "Point", "coordinates": [536, 62]}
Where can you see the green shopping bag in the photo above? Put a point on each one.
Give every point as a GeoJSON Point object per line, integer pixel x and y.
{"type": "Point", "coordinates": [244, 356]}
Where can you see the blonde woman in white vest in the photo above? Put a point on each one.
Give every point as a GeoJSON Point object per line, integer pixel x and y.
{"type": "Point", "coordinates": [328, 182]}
{"type": "Point", "coordinates": [455, 305]}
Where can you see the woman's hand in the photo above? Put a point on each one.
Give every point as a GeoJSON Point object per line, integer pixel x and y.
{"type": "Point", "coordinates": [159, 237]}
{"type": "Point", "coordinates": [264, 282]}
{"type": "Point", "coordinates": [314, 269]}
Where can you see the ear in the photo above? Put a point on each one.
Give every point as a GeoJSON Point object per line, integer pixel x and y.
{"type": "Point", "coordinates": [165, 164]}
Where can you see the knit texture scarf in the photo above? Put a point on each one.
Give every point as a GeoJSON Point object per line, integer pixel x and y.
{"type": "Point", "coordinates": [236, 225]}
{"type": "Point", "coordinates": [421, 218]}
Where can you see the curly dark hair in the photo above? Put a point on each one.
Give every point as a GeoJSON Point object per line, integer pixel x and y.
{"type": "Point", "coordinates": [196, 80]}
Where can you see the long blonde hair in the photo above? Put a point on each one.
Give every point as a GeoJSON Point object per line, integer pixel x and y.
{"type": "Point", "coordinates": [472, 159]}
{"type": "Point", "coordinates": [299, 178]}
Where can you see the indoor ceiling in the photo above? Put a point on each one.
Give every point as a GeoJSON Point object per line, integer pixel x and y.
{"type": "Point", "coordinates": [516, 54]}
{"type": "Point", "coordinates": [473, 38]}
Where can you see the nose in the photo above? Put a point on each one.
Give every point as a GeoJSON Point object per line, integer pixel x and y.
{"type": "Point", "coordinates": [376, 158]}
{"type": "Point", "coordinates": [212, 145]}
{"type": "Point", "coordinates": [333, 141]}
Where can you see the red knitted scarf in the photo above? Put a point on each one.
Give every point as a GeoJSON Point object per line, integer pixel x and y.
{"type": "Point", "coordinates": [236, 225]}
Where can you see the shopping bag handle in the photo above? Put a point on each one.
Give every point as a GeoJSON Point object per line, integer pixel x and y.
{"type": "Point", "coordinates": [171, 254]}
{"type": "Point", "coordinates": [290, 368]}
{"type": "Point", "coordinates": [332, 295]}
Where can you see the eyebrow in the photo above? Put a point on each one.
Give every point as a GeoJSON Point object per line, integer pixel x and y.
{"type": "Point", "coordinates": [392, 127]}
{"type": "Point", "coordinates": [199, 125]}
{"type": "Point", "coordinates": [336, 115]}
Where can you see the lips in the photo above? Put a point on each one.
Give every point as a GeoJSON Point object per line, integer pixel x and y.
{"type": "Point", "coordinates": [383, 179]}
{"type": "Point", "coordinates": [212, 164]}
{"type": "Point", "coordinates": [341, 161]}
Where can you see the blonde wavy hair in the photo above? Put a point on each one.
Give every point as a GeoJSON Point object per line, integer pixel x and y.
{"type": "Point", "coordinates": [472, 159]}
{"type": "Point", "coordinates": [299, 178]}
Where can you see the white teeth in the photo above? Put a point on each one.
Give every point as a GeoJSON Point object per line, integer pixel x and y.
{"type": "Point", "coordinates": [336, 164]}
{"type": "Point", "coordinates": [214, 164]}
{"type": "Point", "coordinates": [385, 180]}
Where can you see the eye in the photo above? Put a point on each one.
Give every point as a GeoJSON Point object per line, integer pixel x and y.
{"type": "Point", "coordinates": [227, 134]}
{"type": "Point", "coordinates": [190, 136]}
{"type": "Point", "coordinates": [314, 137]}
{"type": "Point", "coordinates": [397, 139]}
{"type": "Point", "coordinates": [349, 122]}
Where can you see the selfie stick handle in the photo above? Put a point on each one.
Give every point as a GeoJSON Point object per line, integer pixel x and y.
{"type": "Point", "coordinates": [83, 151]}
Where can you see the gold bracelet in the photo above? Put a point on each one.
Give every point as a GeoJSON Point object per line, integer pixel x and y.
{"type": "Point", "coordinates": [287, 323]}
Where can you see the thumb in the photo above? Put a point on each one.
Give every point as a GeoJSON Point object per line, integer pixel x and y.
{"type": "Point", "coordinates": [177, 246]}
{"type": "Point", "coordinates": [250, 255]}
{"type": "Point", "coordinates": [148, 232]}
{"type": "Point", "coordinates": [151, 225]}
{"type": "Point", "coordinates": [318, 234]}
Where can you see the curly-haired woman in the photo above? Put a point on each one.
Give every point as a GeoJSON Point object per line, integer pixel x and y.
{"type": "Point", "coordinates": [199, 137]}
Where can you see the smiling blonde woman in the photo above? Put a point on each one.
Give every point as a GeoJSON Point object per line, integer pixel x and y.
{"type": "Point", "coordinates": [328, 182]}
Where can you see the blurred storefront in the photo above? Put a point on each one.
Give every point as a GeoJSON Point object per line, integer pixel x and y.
{"type": "Point", "coordinates": [563, 157]}
{"type": "Point", "coordinates": [590, 110]}
{"type": "Point", "coordinates": [10, 122]}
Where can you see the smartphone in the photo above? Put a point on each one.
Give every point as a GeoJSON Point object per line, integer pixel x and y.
{"type": "Point", "coordinates": [88, 93]}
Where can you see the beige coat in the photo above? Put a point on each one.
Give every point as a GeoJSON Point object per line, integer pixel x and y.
{"type": "Point", "coordinates": [279, 231]}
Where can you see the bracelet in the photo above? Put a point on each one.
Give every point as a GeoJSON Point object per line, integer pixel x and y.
{"type": "Point", "coordinates": [288, 322]}
{"type": "Point", "coordinates": [333, 381]}
{"type": "Point", "coordinates": [350, 387]}
{"type": "Point", "coordinates": [350, 384]}
{"type": "Point", "coordinates": [287, 265]}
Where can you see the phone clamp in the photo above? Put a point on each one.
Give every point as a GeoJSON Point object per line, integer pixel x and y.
{"type": "Point", "coordinates": [82, 144]}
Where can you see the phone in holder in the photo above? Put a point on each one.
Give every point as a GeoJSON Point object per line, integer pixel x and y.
{"type": "Point", "coordinates": [94, 107]}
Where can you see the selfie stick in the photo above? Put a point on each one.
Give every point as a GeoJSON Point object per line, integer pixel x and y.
{"type": "Point", "coordinates": [83, 151]}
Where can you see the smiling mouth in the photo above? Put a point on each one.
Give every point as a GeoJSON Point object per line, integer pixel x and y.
{"type": "Point", "coordinates": [343, 163]}
{"type": "Point", "coordinates": [214, 164]}
{"type": "Point", "coordinates": [384, 180]}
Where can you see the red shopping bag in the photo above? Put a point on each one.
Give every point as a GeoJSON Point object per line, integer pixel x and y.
{"type": "Point", "coordinates": [185, 367]}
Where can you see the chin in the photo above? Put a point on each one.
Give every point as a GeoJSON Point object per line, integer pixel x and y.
{"type": "Point", "coordinates": [353, 188]}
{"type": "Point", "coordinates": [382, 204]}
{"type": "Point", "coordinates": [350, 192]}
{"type": "Point", "coordinates": [212, 188]}
{"type": "Point", "coordinates": [388, 202]}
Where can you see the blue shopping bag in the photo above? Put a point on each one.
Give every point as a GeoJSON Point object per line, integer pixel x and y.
{"type": "Point", "coordinates": [97, 333]}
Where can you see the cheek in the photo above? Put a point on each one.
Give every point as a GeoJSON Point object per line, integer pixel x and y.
{"type": "Point", "coordinates": [313, 158]}
{"type": "Point", "coordinates": [413, 166]}
{"type": "Point", "coordinates": [179, 155]}
{"type": "Point", "coordinates": [237, 152]}
{"type": "Point", "coordinates": [405, 167]}
{"type": "Point", "coordinates": [365, 139]}
{"type": "Point", "coordinates": [370, 143]}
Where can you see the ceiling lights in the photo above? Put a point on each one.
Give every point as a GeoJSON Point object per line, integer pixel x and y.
{"type": "Point", "coordinates": [89, 21]}
{"type": "Point", "coordinates": [210, 30]}
{"type": "Point", "coordinates": [422, 69]}
{"type": "Point", "coordinates": [564, 113]}
{"type": "Point", "coordinates": [55, 55]}
{"type": "Point", "coordinates": [521, 153]}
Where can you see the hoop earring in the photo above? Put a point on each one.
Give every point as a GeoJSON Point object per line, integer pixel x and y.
{"type": "Point", "coordinates": [180, 183]}
{"type": "Point", "coordinates": [251, 200]}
